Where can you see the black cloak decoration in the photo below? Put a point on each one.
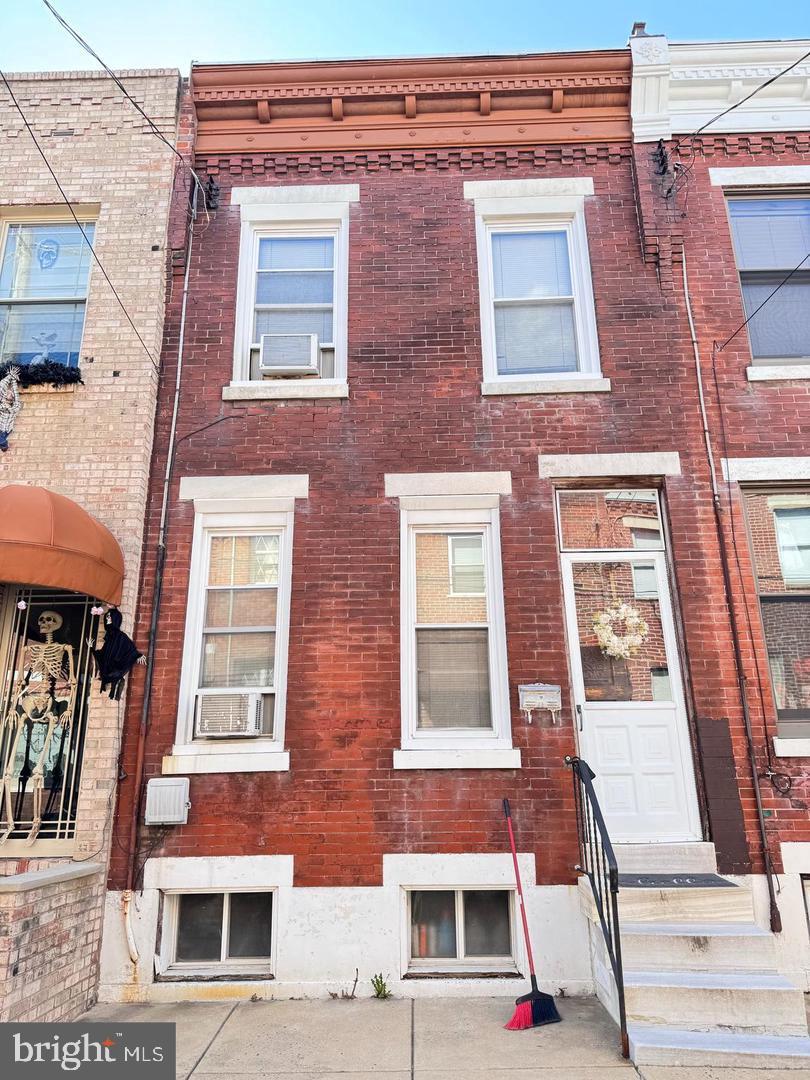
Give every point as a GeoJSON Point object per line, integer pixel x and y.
{"type": "Point", "coordinates": [116, 657]}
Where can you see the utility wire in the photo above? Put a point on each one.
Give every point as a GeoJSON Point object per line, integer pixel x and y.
{"type": "Point", "coordinates": [69, 205]}
{"type": "Point", "coordinates": [742, 326]}
{"type": "Point", "coordinates": [152, 125]}
{"type": "Point", "coordinates": [736, 104]}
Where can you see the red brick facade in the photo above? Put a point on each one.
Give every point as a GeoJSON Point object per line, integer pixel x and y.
{"type": "Point", "coordinates": [415, 404]}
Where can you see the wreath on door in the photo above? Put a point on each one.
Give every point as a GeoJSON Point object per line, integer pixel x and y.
{"type": "Point", "coordinates": [620, 630]}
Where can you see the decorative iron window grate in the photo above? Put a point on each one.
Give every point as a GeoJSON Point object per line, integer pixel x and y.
{"type": "Point", "coordinates": [46, 672]}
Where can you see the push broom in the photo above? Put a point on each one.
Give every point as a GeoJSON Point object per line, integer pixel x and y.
{"type": "Point", "coordinates": [535, 1008]}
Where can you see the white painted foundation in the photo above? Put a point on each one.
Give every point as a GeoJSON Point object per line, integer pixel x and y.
{"type": "Point", "coordinates": [324, 934]}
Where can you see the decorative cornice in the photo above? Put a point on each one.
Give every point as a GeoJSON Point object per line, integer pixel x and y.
{"type": "Point", "coordinates": [678, 88]}
{"type": "Point", "coordinates": [387, 104]}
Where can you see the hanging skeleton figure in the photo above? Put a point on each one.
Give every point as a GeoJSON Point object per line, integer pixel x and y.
{"type": "Point", "coordinates": [44, 699]}
{"type": "Point", "coordinates": [9, 404]}
{"type": "Point", "coordinates": [117, 655]}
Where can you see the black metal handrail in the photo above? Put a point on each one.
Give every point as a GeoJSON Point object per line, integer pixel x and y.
{"type": "Point", "coordinates": [597, 861]}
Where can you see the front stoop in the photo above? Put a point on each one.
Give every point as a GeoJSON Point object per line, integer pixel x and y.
{"type": "Point", "coordinates": [701, 984]}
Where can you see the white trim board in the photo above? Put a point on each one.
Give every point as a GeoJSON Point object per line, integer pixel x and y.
{"type": "Point", "coordinates": [457, 759]}
{"type": "Point", "coordinates": [267, 486]}
{"type": "Point", "coordinates": [760, 176]}
{"type": "Point", "coordinates": [399, 485]}
{"type": "Point", "coordinates": [218, 872]}
{"type": "Point", "coordinates": [775, 468]}
{"type": "Point", "coordinates": [528, 189]}
{"type": "Point", "coordinates": [552, 466]}
{"type": "Point", "coordinates": [296, 193]}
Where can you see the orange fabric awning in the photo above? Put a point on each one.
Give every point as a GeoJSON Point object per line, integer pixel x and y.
{"type": "Point", "coordinates": [46, 539]}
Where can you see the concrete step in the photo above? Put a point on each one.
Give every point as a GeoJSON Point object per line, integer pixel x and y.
{"type": "Point", "coordinates": [672, 1046]}
{"type": "Point", "coordinates": [697, 946]}
{"type": "Point", "coordinates": [695, 858]}
{"type": "Point", "coordinates": [667, 903]}
{"type": "Point", "coordinates": [758, 1003]}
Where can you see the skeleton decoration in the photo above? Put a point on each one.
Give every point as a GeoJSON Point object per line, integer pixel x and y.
{"type": "Point", "coordinates": [43, 697]}
{"type": "Point", "coordinates": [9, 404]}
{"type": "Point", "coordinates": [116, 657]}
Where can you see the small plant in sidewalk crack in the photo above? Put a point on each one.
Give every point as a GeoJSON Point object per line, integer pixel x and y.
{"type": "Point", "coordinates": [380, 987]}
{"type": "Point", "coordinates": [344, 995]}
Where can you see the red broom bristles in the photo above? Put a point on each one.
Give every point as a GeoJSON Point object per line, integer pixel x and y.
{"type": "Point", "coordinates": [522, 1017]}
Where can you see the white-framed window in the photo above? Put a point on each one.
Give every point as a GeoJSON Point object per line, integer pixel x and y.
{"type": "Point", "coordinates": [771, 237]}
{"type": "Point", "coordinates": [210, 933]}
{"type": "Point", "coordinates": [233, 682]}
{"type": "Point", "coordinates": [793, 541]}
{"type": "Point", "coordinates": [291, 334]}
{"type": "Point", "coordinates": [538, 321]}
{"type": "Point", "coordinates": [455, 691]}
{"type": "Point", "coordinates": [462, 930]}
{"type": "Point", "coordinates": [44, 277]}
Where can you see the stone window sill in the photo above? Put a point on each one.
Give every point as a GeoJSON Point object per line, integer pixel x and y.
{"type": "Point", "coordinates": [457, 759]}
{"type": "Point", "coordinates": [70, 388]}
{"type": "Point", "coordinates": [791, 747]}
{"type": "Point", "coordinates": [285, 390]}
{"type": "Point", "coordinates": [778, 372]}
{"type": "Point", "coordinates": [579, 385]}
{"type": "Point", "coordinates": [226, 759]}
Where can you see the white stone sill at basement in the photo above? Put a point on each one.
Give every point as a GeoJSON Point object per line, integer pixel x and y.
{"type": "Point", "coordinates": [584, 385]}
{"type": "Point", "coordinates": [285, 390]}
{"type": "Point", "coordinates": [456, 759]}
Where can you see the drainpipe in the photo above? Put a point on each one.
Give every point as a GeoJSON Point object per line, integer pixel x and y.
{"type": "Point", "coordinates": [775, 916]}
{"type": "Point", "coordinates": [159, 570]}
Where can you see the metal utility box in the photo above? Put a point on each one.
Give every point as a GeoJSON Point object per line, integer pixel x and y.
{"type": "Point", "coordinates": [167, 801]}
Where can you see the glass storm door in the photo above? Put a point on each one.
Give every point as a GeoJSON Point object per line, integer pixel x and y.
{"type": "Point", "coordinates": [628, 692]}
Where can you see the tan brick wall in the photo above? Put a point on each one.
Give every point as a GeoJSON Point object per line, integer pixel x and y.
{"type": "Point", "coordinates": [91, 443]}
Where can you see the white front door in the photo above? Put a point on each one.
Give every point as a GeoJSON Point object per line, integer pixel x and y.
{"type": "Point", "coordinates": [631, 716]}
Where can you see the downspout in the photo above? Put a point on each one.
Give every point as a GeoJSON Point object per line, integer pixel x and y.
{"type": "Point", "coordinates": [159, 571]}
{"type": "Point", "coordinates": [775, 916]}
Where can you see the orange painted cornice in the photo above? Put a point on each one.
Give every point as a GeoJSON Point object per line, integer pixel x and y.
{"type": "Point", "coordinates": [388, 104]}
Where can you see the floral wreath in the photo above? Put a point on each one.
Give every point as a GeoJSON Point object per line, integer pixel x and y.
{"type": "Point", "coordinates": [620, 646]}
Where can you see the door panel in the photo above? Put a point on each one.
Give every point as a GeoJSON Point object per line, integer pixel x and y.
{"type": "Point", "coordinates": [634, 731]}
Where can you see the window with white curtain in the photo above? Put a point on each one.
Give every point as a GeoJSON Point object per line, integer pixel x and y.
{"type": "Point", "coordinates": [537, 310]}
{"type": "Point", "coordinates": [771, 238]}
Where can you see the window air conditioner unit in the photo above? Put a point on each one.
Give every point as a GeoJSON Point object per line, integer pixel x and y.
{"type": "Point", "coordinates": [288, 354]}
{"type": "Point", "coordinates": [228, 716]}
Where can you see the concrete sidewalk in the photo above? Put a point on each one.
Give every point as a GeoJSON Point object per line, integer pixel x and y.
{"type": "Point", "coordinates": [455, 1039]}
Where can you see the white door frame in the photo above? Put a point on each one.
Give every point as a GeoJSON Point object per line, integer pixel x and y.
{"type": "Point", "coordinates": [683, 740]}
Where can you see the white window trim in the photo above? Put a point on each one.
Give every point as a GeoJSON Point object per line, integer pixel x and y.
{"type": "Point", "coordinates": [502, 206]}
{"type": "Point", "coordinates": [309, 210]}
{"type": "Point", "coordinates": [500, 737]}
{"type": "Point", "coordinates": [448, 965]}
{"type": "Point", "coordinates": [258, 753]}
{"type": "Point", "coordinates": [236, 966]}
{"type": "Point", "coordinates": [587, 466]}
{"type": "Point", "coordinates": [774, 468]}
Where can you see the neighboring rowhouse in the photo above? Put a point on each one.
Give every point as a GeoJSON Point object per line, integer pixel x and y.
{"type": "Point", "coordinates": [439, 439]}
{"type": "Point", "coordinates": [77, 434]}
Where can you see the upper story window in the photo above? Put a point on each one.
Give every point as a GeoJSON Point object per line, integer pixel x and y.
{"type": "Point", "coordinates": [771, 238]}
{"type": "Point", "coordinates": [43, 291]}
{"type": "Point", "coordinates": [779, 527]}
{"type": "Point", "coordinates": [538, 323]}
{"type": "Point", "coordinates": [291, 335]}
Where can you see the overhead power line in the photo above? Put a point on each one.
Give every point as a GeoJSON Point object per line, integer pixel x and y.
{"type": "Point", "coordinates": [153, 127]}
{"type": "Point", "coordinates": [69, 205]}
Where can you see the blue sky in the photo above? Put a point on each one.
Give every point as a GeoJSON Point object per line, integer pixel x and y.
{"type": "Point", "coordinates": [172, 33]}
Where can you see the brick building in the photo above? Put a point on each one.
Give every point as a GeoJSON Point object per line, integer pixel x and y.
{"type": "Point", "coordinates": [439, 436]}
{"type": "Point", "coordinates": [73, 488]}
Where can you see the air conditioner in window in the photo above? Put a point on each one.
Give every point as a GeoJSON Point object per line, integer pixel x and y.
{"type": "Point", "coordinates": [228, 716]}
{"type": "Point", "coordinates": [288, 354]}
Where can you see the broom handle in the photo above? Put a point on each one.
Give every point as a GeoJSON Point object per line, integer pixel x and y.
{"type": "Point", "coordinates": [508, 813]}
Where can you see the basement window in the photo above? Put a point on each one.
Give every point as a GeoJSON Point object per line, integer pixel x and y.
{"type": "Point", "coordinates": [218, 933]}
{"type": "Point", "coordinates": [461, 931]}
